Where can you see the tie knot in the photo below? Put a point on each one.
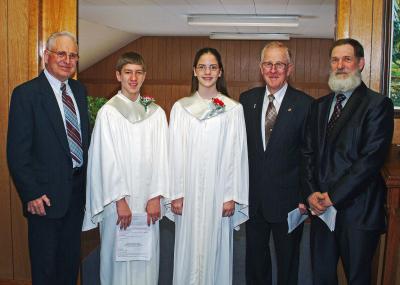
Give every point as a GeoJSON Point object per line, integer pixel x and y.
{"type": "Point", "coordinates": [271, 97]}
{"type": "Point", "coordinates": [63, 87]}
{"type": "Point", "coordinates": [340, 98]}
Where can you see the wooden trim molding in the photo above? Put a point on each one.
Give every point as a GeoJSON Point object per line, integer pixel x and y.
{"type": "Point", "coordinates": [343, 12]}
{"type": "Point", "coordinates": [391, 174]}
{"type": "Point", "coordinates": [14, 282]}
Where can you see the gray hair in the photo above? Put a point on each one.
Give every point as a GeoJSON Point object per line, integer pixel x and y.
{"type": "Point", "coordinates": [276, 44]}
{"type": "Point", "coordinates": [51, 40]}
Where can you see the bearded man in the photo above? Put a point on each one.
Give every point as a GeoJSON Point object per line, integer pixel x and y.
{"type": "Point", "coordinates": [347, 138]}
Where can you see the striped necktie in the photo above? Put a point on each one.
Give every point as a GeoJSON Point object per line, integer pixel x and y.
{"type": "Point", "coordinates": [73, 128]}
{"type": "Point", "coordinates": [270, 118]}
{"type": "Point", "coordinates": [337, 110]}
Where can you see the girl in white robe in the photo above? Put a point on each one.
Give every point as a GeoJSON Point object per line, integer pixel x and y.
{"type": "Point", "coordinates": [209, 176]}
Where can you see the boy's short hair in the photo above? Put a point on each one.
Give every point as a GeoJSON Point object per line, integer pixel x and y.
{"type": "Point", "coordinates": [130, 58]}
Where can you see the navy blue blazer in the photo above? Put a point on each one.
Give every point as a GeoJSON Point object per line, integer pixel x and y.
{"type": "Point", "coordinates": [38, 154]}
{"type": "Point", "coordinates": [347, 164]}
{"type": "Point", "coordinates": [275, 172]}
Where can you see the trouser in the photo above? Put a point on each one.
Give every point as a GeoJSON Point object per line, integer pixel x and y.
{"type": "Point", "coordinates": [355, 247]}
{"type": "Point", "coordinates": [54, 244]}
{"type": "Point", "coordinates": [258, 256]}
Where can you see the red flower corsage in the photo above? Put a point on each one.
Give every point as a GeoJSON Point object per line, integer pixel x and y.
{"type": "Point", "coordinates": [219, 104]}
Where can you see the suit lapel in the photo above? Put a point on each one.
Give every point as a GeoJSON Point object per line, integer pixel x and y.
{"type": "Point", "coordinates": [323, 116]}
{"type": "Point", "coordinates": [284, 117]}
{"type": "Point", "coordinates": [347, 112]}
{"type": "Point", "coordinates": [258, 105]}
{"type": "Point", "coordinates": [53, 111]}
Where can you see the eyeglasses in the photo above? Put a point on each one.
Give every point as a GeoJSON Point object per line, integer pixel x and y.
{"type": "Point", "coordinates": [62, 55]}
{"type": "Point", "coordinates": [203, 67]}
{"type": "Point", "coordinates": [279, 66]}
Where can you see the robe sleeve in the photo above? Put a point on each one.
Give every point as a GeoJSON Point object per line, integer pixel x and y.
{"type": "Point", "coordinates": [177, 152]}
{"type": "Point", "coordinates": [105, 183]}
{"type": "Point", "coordinates": [160, 175]}
{"type": "Point", "coordinates": [235, 166]}
{"type": "Point", "coordinates": [176, 158]}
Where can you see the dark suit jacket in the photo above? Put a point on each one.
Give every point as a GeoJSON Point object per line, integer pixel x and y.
{"type": "Point", "coordinates": [37, 147]}
{"type": "Point", "coordinates": [274, 173]}
{"type": "Point", "coordinates": [347, 164]}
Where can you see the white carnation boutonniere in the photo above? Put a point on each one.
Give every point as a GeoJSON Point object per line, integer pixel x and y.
{"type": "Point", "coordinates": [146, 101]}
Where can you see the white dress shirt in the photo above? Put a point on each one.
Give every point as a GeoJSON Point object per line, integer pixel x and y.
{"type": "Point", "coordinates": [56, 86]}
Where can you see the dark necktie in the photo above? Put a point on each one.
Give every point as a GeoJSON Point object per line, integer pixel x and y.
{"type": "Point", "coordinates": [337, 110]}
{"type": "Point", "coordinates": [270, 118]}
{"type": "Point", "coordinates": [73, 129]}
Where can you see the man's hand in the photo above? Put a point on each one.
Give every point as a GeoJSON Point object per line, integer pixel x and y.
{"type": "Point", "coordinates": [317, 203]}
{"type": "Point", "coordinates": [177, 206]}
{"type": "Point", "coordinates": [228, 208]}
{"type": "Point", "coordinates": [327, 201]}
{"type": "Point", "coordinates": [124, 214]}
{"type": "Point", "coordinates": [302, 208]}
{"type": "Point", "coordinates": [36, 207]}
{"type": "Point", "coordinates": [153, 210]}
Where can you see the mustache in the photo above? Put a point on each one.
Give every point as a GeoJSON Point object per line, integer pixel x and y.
{"type": "Point", "coordinates": [339, 72]}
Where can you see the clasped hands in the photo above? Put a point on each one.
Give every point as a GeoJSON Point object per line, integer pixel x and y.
{"type": "Point", "coordinates": [319, 202]}
{"type": "Point", "coordinates": [125, 214]}
{"type": "Point", "coordinates": [228, 208]}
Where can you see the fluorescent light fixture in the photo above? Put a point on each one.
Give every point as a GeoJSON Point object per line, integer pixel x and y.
{"type": "Point", "coordinates": [243, 20]}
{"type": "Point", "coordinates": [248, 36]}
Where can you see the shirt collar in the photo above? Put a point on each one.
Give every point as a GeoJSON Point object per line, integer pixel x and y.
{"type": "Point", "coordinates": [278, 94]}
{"type": "Point", "coordinates": [54, 82]}
{"type": "Point", "coordinates": [347, 93]}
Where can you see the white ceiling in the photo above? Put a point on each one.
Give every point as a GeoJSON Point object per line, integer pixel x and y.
{"type": "Point", "coordinates": [107, 25]}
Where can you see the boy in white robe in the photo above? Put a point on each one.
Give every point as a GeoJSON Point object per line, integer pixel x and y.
{"type": "Point", "coordinates": [209, 176]}
{"type": "Point", "coordinates": [127, 174]}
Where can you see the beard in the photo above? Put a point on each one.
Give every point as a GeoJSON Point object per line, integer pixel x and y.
{"type": "Point", "coordinates": [338, 84]}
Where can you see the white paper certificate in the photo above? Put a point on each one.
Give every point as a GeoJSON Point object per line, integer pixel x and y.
{"type": "Point", "coordinates": [329, 217]}
{"type": "Point", "coordinates": [135, 242]}
{"type": "Point", "coordinates": [294, 219]}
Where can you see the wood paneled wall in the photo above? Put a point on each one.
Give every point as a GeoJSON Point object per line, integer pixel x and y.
{"type": "Point", "coordinates": [169, 66]}
{"type": "Point", "coordinates": [24, 28]}
{"type": "Point", "coordinates": [364, 20]}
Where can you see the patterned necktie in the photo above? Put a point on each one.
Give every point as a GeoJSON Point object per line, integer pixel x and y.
{"type": "Point", "coordinates": [73, 129]}
{"type": "Point", "coordinates": [336, 113]}
{"type": "Point", "coordinates": [270, 118]}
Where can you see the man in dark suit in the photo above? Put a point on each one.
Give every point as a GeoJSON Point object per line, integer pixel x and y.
{"type": "Point", "coordinates": [47, 152]}
{"type": "Point", "coordinates": [347, 139]}
{"type": "Point", "coordinates": [274, 116]}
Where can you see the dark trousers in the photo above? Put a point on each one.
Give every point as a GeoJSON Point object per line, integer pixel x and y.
{"type": "Point", "coordinates": [54, 244]}
{"type": "Point", "coordinates": [355, 247]}
{"type": "Point", "coordinates": [258, 256]}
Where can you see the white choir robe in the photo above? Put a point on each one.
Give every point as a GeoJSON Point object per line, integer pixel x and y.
{"type": "Point", "coordinates": [208, 166]}
{"type": "Point", "coordinates": [125, 160]}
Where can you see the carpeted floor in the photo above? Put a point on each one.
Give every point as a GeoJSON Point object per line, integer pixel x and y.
{"type": "Point", "coordinates": [90, 271]}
